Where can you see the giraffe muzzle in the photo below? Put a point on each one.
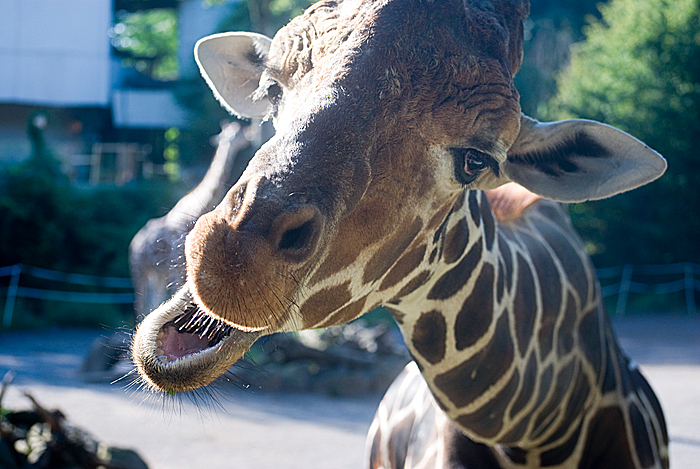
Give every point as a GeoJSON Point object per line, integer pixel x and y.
{"type": "Point", "coordinates": [244, 260]}
{"type": "Point", "coordinates": [179, 347]}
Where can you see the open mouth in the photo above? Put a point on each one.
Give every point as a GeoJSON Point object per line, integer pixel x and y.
{"type": "Point", "coordinates": [192, 332]}
{"type": "Point", "coordinates": [179, 347]}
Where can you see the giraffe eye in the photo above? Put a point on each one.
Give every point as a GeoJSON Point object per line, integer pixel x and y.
{"type": "Point", "coordinates": [269, 89]}
{"type": "Point", "coordinates": [470, 162]}
{"type": "Point", "coordinates": [274, 93]}
{"type": "Point", "coordinates": [474, 161]}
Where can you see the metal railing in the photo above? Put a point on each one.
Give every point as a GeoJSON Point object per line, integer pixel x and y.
{"type": "Point", "coordinates": [15, 290]}
{"type": "Point", "coordinates": [630, 282]}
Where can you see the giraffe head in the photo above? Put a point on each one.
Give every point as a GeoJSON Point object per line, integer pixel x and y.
{"type": "Point", "coordinates": [386, 112]}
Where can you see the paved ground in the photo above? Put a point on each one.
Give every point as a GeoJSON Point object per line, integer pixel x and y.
{"type": "Point", "coordinates": [263, 430]}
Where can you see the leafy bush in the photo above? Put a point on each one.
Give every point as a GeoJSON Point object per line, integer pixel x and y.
{"type": "Point", "coordinates": [46, 222]}
{"type": "Point", "coordinates": [639, 70]}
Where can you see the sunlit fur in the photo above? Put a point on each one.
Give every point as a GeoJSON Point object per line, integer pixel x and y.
{"type": "Point", "coordinates": [361, 199]}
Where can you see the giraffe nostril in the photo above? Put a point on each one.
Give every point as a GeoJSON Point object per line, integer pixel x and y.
{"type": "Point", "coordinates": [297, 239]}
{"type": "Point", "coordinates": [297, 232]}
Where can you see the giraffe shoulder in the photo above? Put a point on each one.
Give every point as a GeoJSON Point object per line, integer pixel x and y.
{"type": "Point", "coordinates": [510, 200]}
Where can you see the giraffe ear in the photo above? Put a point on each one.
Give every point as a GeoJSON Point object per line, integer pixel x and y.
{"type": "Point", "coordinates": [577, 160]}
{"type": "Point", "coordinates": [232, 63]}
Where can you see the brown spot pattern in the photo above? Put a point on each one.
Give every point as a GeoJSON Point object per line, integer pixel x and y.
{"type": "Point", "coordinates": [577, 400]}
{"type": "Point", "coordinates": [432, 256]}
{"type": "Point", "coordinates": [645, 451]}
{"type": "Point", "coordinates": [545, 383]}
{"type": "Point", "coordinates": [524, 305]}
{"type": "Point", "coordinates": [606, 442]}
{"type": "Point", "coordinates": [550, 289]}
{"type": "Point", "coordinates": [546, 335]}
{"type": "Point", "coordinates": [429, 334]}
{"type": "Point", "coordinates": [558, 455]}
{"type": "Point", "coordinates": [515, 454]}
{"type": "Point", "coordinates": [609, 381]}
{"type": "Point", "coordinates": [642, 388]}
{"type": "Point", "coordinates": [550, 412]}
{"type": "Point", "coordinates": [440, 216]}
{"type": "Point", "coordinates": [500, 281]}
{"type": "Point", "coordinates": [625, 382]}
{"type": "Point", "coordinates": [470, 379]}
{"type": "Point", "coordinates": [569, 257]}
{"type": "Point", "coordinates": [516, 433]}
{"type": "Point", "coordinates": [390, 251]}
{"type": "Point", "coordinates": [403, 267]}
{"type": "Point", "coordinates": [589, 338]}
{"type": "Point", "coordinates": [476, 314]}
{"type": "Point", "coordinates": [489, 223]}
{"type": "Point", "coordinates": [488, 420]}
{"type": "Point", "coordinates": [528, 387]}
{"type": "Point", "coordinates": [319, 305]}
{"type": "Point", "coordinates": [474, 208]}
{"type": "Point", "coordinates": [456, 241]}
{"type": "Point", "coordinates": [339, 257]}
{"type": "Point", "coordinates": [396, 314]}
{"type": "Point", "coordinates": [507, 259]}
{"type": "Point", "coordinates": [348, 313]}
{"type": "Point", "coordinates": [412, 285]}
{"type": "Point", "coordinates": [565, 335]}
{"type": "Point", "coordinates": [454, 279]}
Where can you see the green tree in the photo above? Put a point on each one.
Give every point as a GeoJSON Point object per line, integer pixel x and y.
{"type": "Point", "coordinates": [639, 70]}
{"type": "Point", "coordinates": [148, 41]}
{"type": "Point", "coordinates": [550, 30]}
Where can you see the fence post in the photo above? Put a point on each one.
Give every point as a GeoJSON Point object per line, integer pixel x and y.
{"type": "Point", "coordinates": [11, 295]}
{"type": "Point", "coordinates": [690, 289]}
{"type": "Point", "coordinates": [625, 283]}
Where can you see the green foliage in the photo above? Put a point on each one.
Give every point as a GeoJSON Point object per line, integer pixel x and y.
{"type": "Point", "coordinates": [264, 16]}
{"type": "Point", "coordinates": [550, 30]}
{"type": "Point", "coordinates": [148, 41]}
{"type": "Point", "coordinates": [46, 222]}
{"type": "Point", "coordinates": [639, 70]}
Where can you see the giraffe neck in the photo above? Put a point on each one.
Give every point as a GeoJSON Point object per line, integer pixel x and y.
{"type": "Point", "coordinates": [495, 329]}
{"type": "Point", "coordinates": [212, 188]}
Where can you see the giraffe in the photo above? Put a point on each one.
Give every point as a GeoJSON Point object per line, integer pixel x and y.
{"type": "Point", "coordinates": [156, 252]}
{"type": "Point", "coordinates": [403, 173]}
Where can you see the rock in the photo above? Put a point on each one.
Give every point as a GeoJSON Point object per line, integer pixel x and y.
{"type": "Point", "coordinates": [120, 457]}
{"type": "Point", "coordinates": [43, 438]}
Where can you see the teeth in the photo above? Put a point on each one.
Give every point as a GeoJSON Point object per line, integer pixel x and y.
{"type": "Point", "coordinates": [159, 350]}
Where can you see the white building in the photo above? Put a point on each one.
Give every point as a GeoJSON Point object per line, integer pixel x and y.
{"type": "Point", "coordinates": [57, 54]}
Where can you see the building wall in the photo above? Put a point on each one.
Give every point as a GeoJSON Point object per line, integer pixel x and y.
{"type": "Point", "coordinates": [55, 52]}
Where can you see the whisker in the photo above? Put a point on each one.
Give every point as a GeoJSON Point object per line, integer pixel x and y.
{"type": "Point", "coordinates": [264, 297]}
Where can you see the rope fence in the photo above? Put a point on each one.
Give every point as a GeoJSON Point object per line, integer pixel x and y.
{"type": "Point", "coordinates": [684, 279]}
{"type": "Point", "coordinates": [15, 290]}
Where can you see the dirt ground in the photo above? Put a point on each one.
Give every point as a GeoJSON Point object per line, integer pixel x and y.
{"type": "Point", "coordinates": [276, 430]}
